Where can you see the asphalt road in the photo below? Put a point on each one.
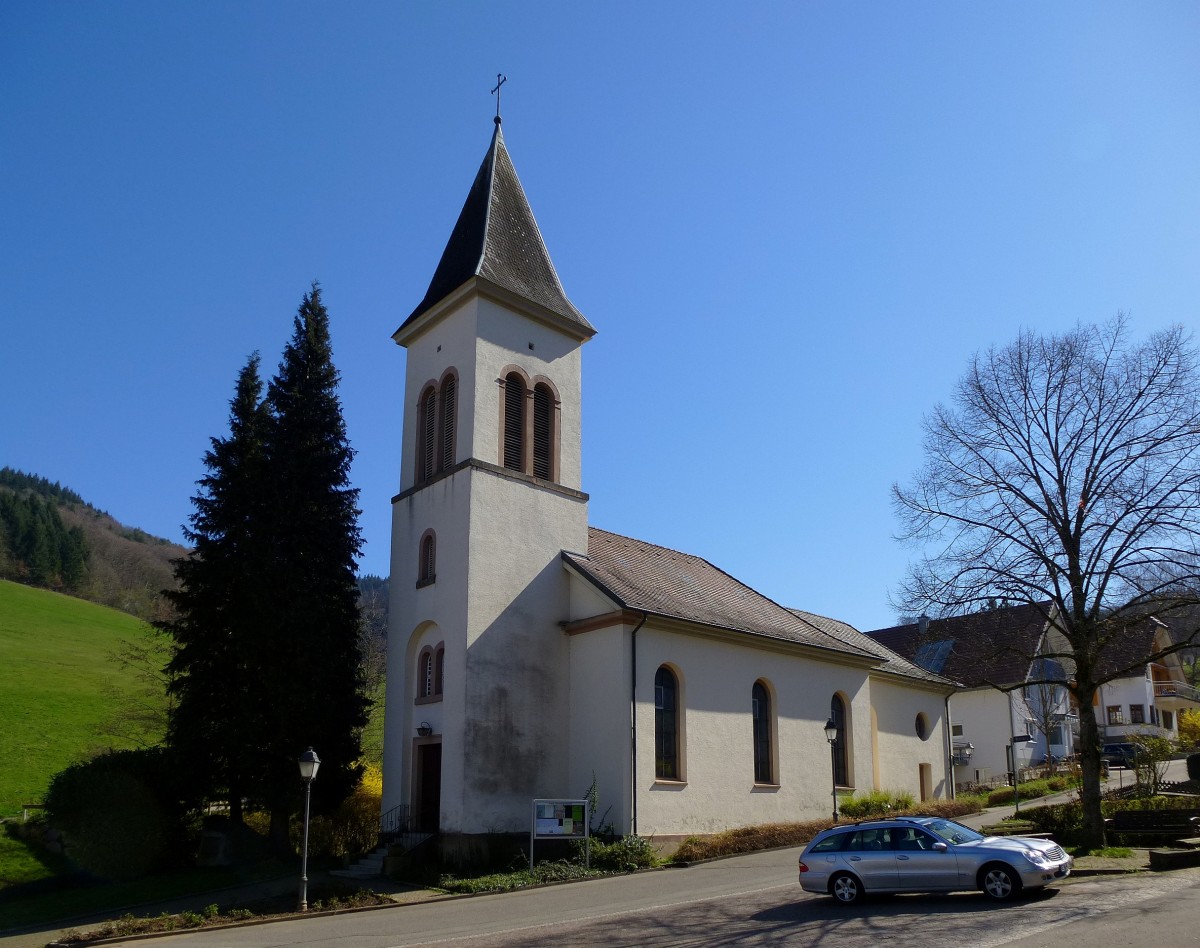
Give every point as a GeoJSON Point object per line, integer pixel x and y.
{"type": "Point", "coordinates": [753, 900]}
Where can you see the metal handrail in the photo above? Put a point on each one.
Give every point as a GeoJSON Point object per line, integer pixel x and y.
{"type": "Point", "coordinates": [1176, 689]}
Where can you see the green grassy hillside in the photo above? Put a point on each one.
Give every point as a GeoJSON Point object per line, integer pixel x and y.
{"type": "Point", "coordinates": [58, 674]}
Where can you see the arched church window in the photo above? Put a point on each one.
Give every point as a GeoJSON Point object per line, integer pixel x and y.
{"type": "Point", "coordinates": [514, 422]}
{"type": "Point", "coordinates": [841, 759]}
{"type": "Point", "coordinates": [543, 432]}
{"type": "Point", "coordinates": [760, 703]}
{"type": "Point", "coordinates": [666, 725]}
{"type": "Point", "coordinates": [439, 669]}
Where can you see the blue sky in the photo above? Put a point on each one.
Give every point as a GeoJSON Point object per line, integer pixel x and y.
{"type": "Point", "coordinates": [791, 223]}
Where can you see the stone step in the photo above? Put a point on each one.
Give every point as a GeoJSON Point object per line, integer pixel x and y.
{"type": "Point", "coordinates": [1174, 858]}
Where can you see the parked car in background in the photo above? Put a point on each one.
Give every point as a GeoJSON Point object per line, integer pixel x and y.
{"type": "Point", "coordinates": [1122, 753]}
{"type": "Point", "coordinates": [926, 854]}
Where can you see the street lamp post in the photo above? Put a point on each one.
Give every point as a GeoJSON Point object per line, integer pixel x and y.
{"type": "Point", "coordinates": [309, 762]}
{"type": "Point", "coordinates": [831, 732]}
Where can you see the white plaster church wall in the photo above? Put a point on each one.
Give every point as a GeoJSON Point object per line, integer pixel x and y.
{"type": "Point", "coordinates": [599, 735]}
{"type": "Point", "coordinates": [715, 681]}
{"type": "Point", "coordinates": [445, 506]}
{"type": "Point", "coordinates": [516, 701]}
{"type": "Point", "coordinates": [900, 751]}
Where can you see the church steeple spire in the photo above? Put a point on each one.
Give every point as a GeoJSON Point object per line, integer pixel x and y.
{"type": "Point", "coordinates": [496, 240]}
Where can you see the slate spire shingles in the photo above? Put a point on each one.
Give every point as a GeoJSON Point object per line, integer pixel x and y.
{"type": "Point", "coordinates": [497, 239]}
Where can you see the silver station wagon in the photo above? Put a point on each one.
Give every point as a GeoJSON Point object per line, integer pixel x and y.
{"type": "Point", "coordinates": [926, 854]}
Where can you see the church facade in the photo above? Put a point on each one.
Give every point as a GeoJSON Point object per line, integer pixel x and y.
{"type": "Point", "coordinates": [530, 654]}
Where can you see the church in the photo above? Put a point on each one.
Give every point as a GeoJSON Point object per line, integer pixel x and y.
{"type": "Point", "coordinates": [530, 654]}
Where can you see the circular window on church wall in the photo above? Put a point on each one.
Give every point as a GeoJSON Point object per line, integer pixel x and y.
{"type": "Point", "coordinates": [922, 726]}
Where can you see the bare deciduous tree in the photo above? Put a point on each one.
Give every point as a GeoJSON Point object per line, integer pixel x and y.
{"type": "Point", "coordinates": [1067, 471]}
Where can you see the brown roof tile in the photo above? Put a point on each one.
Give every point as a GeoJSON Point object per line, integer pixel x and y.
{"type": "Point", "coordinates": [992, 647]}
{"type": "Point", "coordinates": [664, 582]}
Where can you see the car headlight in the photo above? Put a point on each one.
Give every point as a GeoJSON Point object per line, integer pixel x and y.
{"type": "Point", "coordinates": [1036, 856]}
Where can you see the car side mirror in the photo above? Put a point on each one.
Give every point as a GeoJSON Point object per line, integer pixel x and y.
{"type": "Point", "coordinates": [940, 847]}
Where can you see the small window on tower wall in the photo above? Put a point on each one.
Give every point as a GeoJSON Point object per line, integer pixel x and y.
{"type": "Point", "coordinates": [514, 422]}
{"type": "Point", "coordinates": [427, 564]}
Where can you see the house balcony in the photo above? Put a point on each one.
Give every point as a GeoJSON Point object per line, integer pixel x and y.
{"type": "Point", "coordinates": [1175, 695]}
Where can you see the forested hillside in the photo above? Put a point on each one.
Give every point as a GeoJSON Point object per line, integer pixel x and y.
{"type": "Point", "coordinates": [51, 538]}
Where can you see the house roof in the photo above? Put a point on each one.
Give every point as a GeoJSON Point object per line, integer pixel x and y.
{"type": "Point", "coordinates": [496, 238]}
{"type": "Point", "coordinates": [897, 663]}
{"type": "Point", "coordinates": [994, 647]}
{"type": "Point", "coordinates": [663, 582]}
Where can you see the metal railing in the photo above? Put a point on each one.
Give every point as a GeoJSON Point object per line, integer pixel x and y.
{"type": "Point", "coordinates": [1176, 689]}
{"type": "Point", "coordinates": [395, 823]}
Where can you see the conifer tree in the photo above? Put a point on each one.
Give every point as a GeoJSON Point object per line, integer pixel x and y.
{"type": "Point", "coordinates": [311, 634]}
{"type": "Point", "coordinates": [266, 658]}
{"type": "Point", "coordinates": [219, 607]}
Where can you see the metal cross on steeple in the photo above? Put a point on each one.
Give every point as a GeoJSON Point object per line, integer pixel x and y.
{"type": "Point", "coordinates": [500, 80]}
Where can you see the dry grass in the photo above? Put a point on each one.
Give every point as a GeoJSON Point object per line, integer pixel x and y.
{"type": "Point", "coordinates": [749, 839]}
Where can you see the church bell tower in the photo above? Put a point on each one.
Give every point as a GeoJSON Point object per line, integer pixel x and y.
{"type": "Point", "coordinates": [490, 495]}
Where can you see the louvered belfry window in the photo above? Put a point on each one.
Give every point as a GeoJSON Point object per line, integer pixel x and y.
{"type": "Point", "coordinates": [543, 432]}
{"type": "Point", "coordinates": [514, 422]}
{"type": "Point", "coordinates": [449, 419]}
{"type": "Point", "coordinates": [427, 435]}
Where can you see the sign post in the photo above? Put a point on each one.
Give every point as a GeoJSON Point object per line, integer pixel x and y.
{"type": "Point", "coordinates": [561, 819]}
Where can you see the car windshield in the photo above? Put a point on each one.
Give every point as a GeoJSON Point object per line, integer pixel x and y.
{"type": "Point", "coordinates": [953, 832]}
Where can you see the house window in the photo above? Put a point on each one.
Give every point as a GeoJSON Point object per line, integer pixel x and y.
{"type": "Point", "coordinates": [439, 667]}
{"type": "Point", "coordinates": [841, 760]}
{"type": "Point", "coordinates": [956, 730]}
{"type": "Point", "coordinates": [1055, 737]}
{"type": "Point", "coordinates": [1168, 720]}
{"type": "Point", "coordinates": [666, 725]}
{"type": "Point", "coordinates": [760, 703]}
{"type": "Point", "coordinates": [514, 422]}
{"type": "Point", "coordinates": [1114, 714]}
{"type": "Point", "coordinates": [1137, 714]}
{"type": "Point", "coordinates": [922, 726]}
{"type": "Point", "coordinates": [427, 559]}
{"type": "Point", "coordinates": [437, 422]}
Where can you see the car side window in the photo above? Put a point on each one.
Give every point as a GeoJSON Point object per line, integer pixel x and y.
{"type": "Point", "coordinates": [832, 844]}
{"type": "Point", "coordinates": [869, 840]}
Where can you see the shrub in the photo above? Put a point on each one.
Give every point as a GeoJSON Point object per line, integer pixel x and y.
{"type": "Point", "coordinates": [624, 855]}
{"type": "Point", "coordinates": [122, 813]}
{"type": "Point", "coordinates": [354, 827]}
{"type": "Point", "coordinates": [875, 803]}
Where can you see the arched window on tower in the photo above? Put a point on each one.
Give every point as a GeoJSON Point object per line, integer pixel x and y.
{"type": "Point", "coordinates": [514, 422]}
{"type": "Point", "coordinates": [427, 559]}
{"type": "Point", "coordinates": [449, 400]}
{"type": "Point", "coordinates": [439, 669]}
{"type": "Point", "coordinates": [543, 432]}
{"type": "Point", "coordinates": [426, 434]}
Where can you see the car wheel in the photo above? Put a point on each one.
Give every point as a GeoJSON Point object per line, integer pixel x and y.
{"type": "Point", "coordinates": [999, 882]}
{"type": "Point", "coordinates": [845, 888]}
